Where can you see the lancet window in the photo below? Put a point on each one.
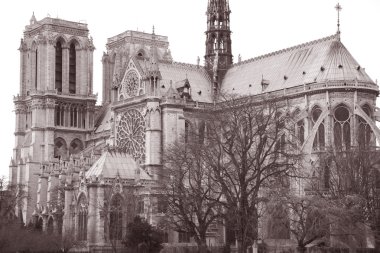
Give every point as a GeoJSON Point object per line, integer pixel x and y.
{"type": "Point", "coordinates": [342, 129]}
{"type": "Point", "coordinates": [116, 218]}
{"type": "Point", "coordinates": [58, 66]}
{"type": "Point", "coordinates": [72, 69]}
{"type": "Point", "coordinates": [364, 134]}
{"type": "Point", "coordinates": [319, 140]}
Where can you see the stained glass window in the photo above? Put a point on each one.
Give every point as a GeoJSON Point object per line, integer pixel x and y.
{"type": "Point", "coordinates": [131, 134]}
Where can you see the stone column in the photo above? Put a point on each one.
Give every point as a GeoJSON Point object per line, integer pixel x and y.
{"type": "Point", "coordinates": [92, 214]}
{"type": "Point", "coordinates": [67, 217]}
{"type": "Point", "coordinates": [153, 147]}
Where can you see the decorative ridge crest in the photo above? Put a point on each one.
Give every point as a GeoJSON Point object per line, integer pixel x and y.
{"type": "Point", "coordinates": [310, 43]}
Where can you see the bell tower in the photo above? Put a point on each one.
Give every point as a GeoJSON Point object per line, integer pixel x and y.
{"type": "Point", "coordinates": [218, 56]}
{"type": "Point", "coordinates": [55, 105]}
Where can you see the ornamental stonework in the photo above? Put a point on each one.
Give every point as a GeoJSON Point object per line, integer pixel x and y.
{"type": "Point", "coordinates": [130, 85]}
{"type": "Point", "coordinates": [130, 134]}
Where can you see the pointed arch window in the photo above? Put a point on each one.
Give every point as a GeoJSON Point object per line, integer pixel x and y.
{"type": "Point", "coordinates": [36, 70]}
{"type": "Point", "coordinates": [301, 131]}
{"type": "Point", "coordinates": [82, 218]}
{"type": "Point", "coordinates": [72, 69]}
{"type": "Point", "coordinates": [342, 129]}
{"type": "Point", "coordinates": [365, 132]}
{"type": "Point", "coordinates": [58, 66]}
{"type": "Point", "coordinates": [50, 226]}
{"type": "Point", "coordinates": [116, 218]}
{"type": "Point", "coordinates": [319, 140]}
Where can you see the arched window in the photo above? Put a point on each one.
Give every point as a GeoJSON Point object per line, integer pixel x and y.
{"type": "Point", "coordinates": [116, 218]}
{"type": "Point", "coordinates": [319, 140]}
{"type": "Point", "coordinates": [39, 224]}
{"type": "Point", "coordinates": [82, 218]}
{"type": "Point", "coordinates": [59, 115]}
{"type": "Point", "coordinates": [36, 70]}
{"type": "Point", "coordinates": [58, 66]}
{"type": "Point", "coordinates": [187, 131]}
{"type": "Point", "coordinates": [76, 146]}
{"type": "Point", "coordinates": [73, 116]}
{"type": "Point", "coordinates": [60, 148]}
{"type": "Point", "coordinates": [72, 69]}
{"type": "Point", "coordinates": [301, 131]}
{"type": "Point", "coordinates": [342, 134]}
{"type": "Point", "coordinates": [50, 226]}
{"type": "Point", "coordinates": [364, 134]}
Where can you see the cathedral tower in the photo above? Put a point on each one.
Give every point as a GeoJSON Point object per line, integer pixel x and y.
{"type": "Point", "coordinates": [55, 105]}
{"type": "Point", "coordinates": [218, 56]}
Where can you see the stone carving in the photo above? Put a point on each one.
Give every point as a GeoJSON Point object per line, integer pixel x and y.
{"type": "Point", "coordinates": [130, 135]}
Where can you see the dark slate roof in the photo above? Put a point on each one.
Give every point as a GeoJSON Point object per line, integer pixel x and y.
{"type": "Point", "coordinates": [321, 60]}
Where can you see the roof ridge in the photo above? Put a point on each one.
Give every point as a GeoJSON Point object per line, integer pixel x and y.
{"type": "Point", "coordinates": [313, 42]}
{"type": "Point", "coordinates": [199, 68]}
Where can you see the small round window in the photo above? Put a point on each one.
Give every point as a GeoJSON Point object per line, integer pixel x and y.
{"type": "Point", "coordinates": [341, 114]}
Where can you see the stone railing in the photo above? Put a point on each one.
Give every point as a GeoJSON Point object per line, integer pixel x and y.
{"type": "Point", "coordinates": [53, 93]}
{"type": "Point", "coordinates": [280, 94]}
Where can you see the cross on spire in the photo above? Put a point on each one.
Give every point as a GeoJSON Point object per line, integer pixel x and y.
{"type": "Point", "coordinates": [338, 8]}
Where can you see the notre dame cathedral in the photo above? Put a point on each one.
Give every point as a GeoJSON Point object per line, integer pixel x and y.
{"type": "Point", "coordinates": [64, 141]}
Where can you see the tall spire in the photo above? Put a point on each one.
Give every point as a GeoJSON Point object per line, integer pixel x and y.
{"type": "Point", "coordinates": [218, 57]}
{"type": "Point", "coordinates": [338, 8]}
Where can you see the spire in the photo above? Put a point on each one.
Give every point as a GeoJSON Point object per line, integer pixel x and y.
{"type": "Point", "coordinates": [218, 57]}
{"type": "Point", "coordinates": [338, 8]}
{"type": "Point", "coordinates": [33, 19]}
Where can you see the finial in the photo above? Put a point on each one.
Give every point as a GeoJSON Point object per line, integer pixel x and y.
{"type": "Point", "coordinates": [338, 8]}
{"type": "Point", "coordinates": [153, 30]}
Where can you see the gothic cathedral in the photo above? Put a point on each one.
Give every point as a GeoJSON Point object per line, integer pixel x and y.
{"type": "Point", "coordinates": [75, 157]}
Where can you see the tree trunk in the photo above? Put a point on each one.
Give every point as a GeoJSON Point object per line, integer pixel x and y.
{"type": "Point", "coordinates": [301, 249]}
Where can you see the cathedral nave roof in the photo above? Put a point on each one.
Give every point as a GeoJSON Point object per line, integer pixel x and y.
{"type": "Point", "coordinates": [318, 61]}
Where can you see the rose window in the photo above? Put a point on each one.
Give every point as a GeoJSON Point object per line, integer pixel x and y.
{"type": "Point", "coordinates": [131, 134]}
{"type": "Point", "coordinates": [130, 84]}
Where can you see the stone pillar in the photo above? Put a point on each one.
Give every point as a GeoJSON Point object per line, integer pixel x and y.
{"type": "Point", "coordinates": [92, 214]}
{"type": "Point", "coordinates": [67, 217]}
{"type": "Point", "coordinates": [100, 237]}
{"type": "Point", "coordinates": [153, 149]}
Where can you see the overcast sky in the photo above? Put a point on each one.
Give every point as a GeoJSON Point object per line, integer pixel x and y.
{"type": "Point", "coordinates": [258, 27]}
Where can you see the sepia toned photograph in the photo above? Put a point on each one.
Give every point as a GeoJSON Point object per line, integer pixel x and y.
{"type": "Point", "coordinates": [178, 126]}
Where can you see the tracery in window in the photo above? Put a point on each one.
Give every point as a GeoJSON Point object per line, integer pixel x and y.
{"type": "Point", "coordinates": [76, 146]}
{"type": "Point", "coordinates": [319, 140]}
{"type": "Point", "coordinates": [342, 129]}
{"type": "Point", "coordinates": [60, 148]}
{"type": "Point", "coordinates": [365, 132]}
{"type": "Point", "coordinates": [82, 218]}
{"type": "Point", "coordinates": [116, 218]}
{"type": "Point", "coordinates": [130, 85]}
{"type": "Point", "coordinates": [130, 131]}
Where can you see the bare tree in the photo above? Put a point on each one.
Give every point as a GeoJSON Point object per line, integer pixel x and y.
{"type": "Point", "coordinates": [248, 146]}
{"type": "Point", "coordinates": [192, 203]}
{"type": "Point", "coordinates": [353, 178]}
{"type": "Point", "coordinates": [311, 219]}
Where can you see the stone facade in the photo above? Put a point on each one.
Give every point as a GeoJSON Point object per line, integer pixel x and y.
{"type": "Point", "coordinates": [84, 164]}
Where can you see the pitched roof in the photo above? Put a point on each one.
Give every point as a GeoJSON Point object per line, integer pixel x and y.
{"type": "Point", "coordinates": [176, 73]}
{"type": "Point", "coordinates": [113, 163]}
{"type": "Point", "coordinates": [316, 61]}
